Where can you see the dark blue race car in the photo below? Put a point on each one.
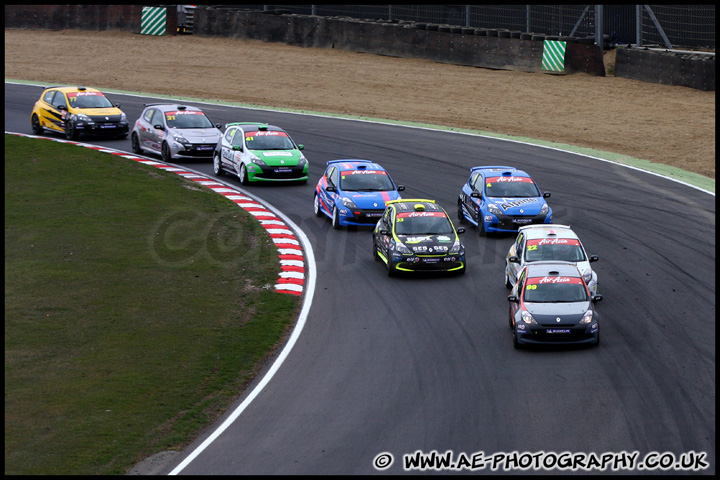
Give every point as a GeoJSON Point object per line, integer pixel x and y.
{"type": "Point", "coordinates": [502, 199]}
{"type": "Point", "coordinates": [354, 192]}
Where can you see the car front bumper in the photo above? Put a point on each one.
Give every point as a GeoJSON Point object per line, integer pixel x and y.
{"type": "Point", "coordinates": [554, 335]}
{"type": "Point", "coordinates": [505, 223]}
{"type": "Point", "coordinates": [427, 263]}
{"type": "Point", "coordinates": [277, 174]}
{"type": "Point", "coordinates": [102, 129]}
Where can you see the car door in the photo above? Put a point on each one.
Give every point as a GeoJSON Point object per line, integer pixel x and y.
{"type": "Point", "coordinates": [147, 134]}
{"type": "Point", "coordinates": [386, 224]}
{"type": "Point", "coordinates": [332, 177]}
{"type": "Point", "coordinates": [53, 115]}
{"type": "Point", "coordinates": [517, 291]}
{"type": "Point", "coordinates": [475, 203]}
{"type": "Point", "coordinates": [157, 135]}
{"type": "Point", "coordinates": [467, 200]}
{"type": "Point", "coordinates": [227, 155]}
{"type": "Point", "coordinates": [518, 249]}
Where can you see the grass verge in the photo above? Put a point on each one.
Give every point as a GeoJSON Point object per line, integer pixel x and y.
{"type": "Point", "coordinates": [137, 307]}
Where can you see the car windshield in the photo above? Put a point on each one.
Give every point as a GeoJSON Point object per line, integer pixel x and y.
{"type": "Point", "coordinates": [511, 187]}
{"type": "Point", "coordinates": [268, 141]}
{"type": "Point", "coordinates": [561, 292]}
{"type": "Point", "coordinates": [425, 223]}
{"type": "Point", "coordinates": [365, 180]}
{"type": "Point", "coordinates": [89, 100]}
{"type": "Point", "coordinates": [187, 119]}
{"type": "Point", "coordinates": [567, 250]}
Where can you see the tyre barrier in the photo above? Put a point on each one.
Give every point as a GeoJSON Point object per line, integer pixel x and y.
{"type": "Point", "coordinates": [291, 279]}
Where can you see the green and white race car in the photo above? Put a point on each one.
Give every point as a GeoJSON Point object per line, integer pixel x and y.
{"type": "Point", "coordinates": [258, 152]}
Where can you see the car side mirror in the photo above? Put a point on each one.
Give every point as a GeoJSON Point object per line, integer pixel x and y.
{"type": "Point", "coordinates": [513, 259]}
{"type": "Point", "coordinates": [158, 127]}
{"type": "Point", "coordinates": [460, 230]}
{"type": "Point", "coordinates": [331, 188]}
{"type": "Point", "coordinates": [300, 146]}
{"type": "Point", "coordinates": [475, 194]}
{"type": "Point", "coordinates": [546, 194]}
{"type": "Point", "coordinates": [62, 107]}
{"type": "Point", "coordinates": [401, 188]}
{"type": "Point", "coordinates": [513, 299]}
{"type": "Point", "coordinates": [117, 105]}
{"type": "Point", "coordinates": [594, 258]}
{"type": "Point", "coordinates": [384, 232]}
{"type": "Point", "coordinates": [237, 148]}
{"type": "Point", "coordinates": [596, 298]}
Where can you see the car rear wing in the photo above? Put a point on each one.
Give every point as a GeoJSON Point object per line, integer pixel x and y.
{"type": "Point", "coordinates": [472, 169]}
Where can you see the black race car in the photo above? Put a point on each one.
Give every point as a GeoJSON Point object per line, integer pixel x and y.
{"type": "Point", "coordinates": [416, 235]}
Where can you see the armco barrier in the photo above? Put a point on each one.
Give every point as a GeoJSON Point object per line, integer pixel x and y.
{"type": "Point", "coordinates": [695, 70]}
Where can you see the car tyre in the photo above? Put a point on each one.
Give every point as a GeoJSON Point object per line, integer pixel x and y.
{"type": "Point", "coordinates": [70, 131]}
{"type": "Point", "coordinates": [376, 257]}
{"type": "Point", "coordinates": [391, 267]}
{"type": "Point", "coordinates": [316, 206]}
{"type": "Point", "coordinates": [166, 154]}
{"type": "Point", "coordinates": [516, 344]}
{"type": "Point", "coordinates": [217, 165]}
{"type": "Point", "coordinates": [135, 144]}
{"type": "Point", "coordinates": [461, 217]}
{"type": "Point", "coordinates": [508, 285]}
{"type": "Point", "coordinates": [243, 175]}
{"type": "Point", "coordinates": [336, 219]}
{"type": "Point", "coordinates": [35, 122]}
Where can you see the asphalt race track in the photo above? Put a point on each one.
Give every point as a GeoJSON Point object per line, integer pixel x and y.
{"type": "Point", "coordinates": [400, 365]}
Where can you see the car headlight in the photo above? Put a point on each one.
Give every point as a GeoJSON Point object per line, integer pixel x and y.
{"type": "Point", "coordinates": [587, 318]}
{"type": "Point", "coordinates": [81, 117]}
{"type": "Point", "coordinates": [527, 318]}
{"type": "Point", "coordinates": [256, 160]}
{"type": "Point", "coordinates": [587, 276]}
{"type": "Point", "coordinates": [455, 249]}
{"type": "Point", "coordinates": [401, 248]}
{"type": "Point", "coordinates": [545, 209]}
{"type": "Point", "coordinates": [349, 204]}
{"type": "Point", "coordinates": [179, 138]}
{"type": "Point", "coordinates": [123, 117]}
{"type": "Point", "coordinates": [494, 209]}
{"type": "Point", "coordinates": [302, 161]}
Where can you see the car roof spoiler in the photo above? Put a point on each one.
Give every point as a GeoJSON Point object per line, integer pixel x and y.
{"type": "Point", "coordinates": [410, 200]}
{"type": "Point", "coordinates": [472, 169]}
{"type": "Point", "coordinates": [543, 225]}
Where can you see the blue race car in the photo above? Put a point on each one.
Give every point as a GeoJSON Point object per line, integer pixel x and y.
{"type": "Point", "coordinates": [502, 199]}
{"type": "Point", "coordinates": [354, 192]}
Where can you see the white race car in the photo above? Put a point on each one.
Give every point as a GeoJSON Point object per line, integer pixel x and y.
{"type": "Point", "coordinates": [175, 131]}
{"type": "Point", "coordinates": [549, 242]}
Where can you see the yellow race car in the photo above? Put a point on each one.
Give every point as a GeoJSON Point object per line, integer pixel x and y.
{"type": "Point", "coordinates": [78, 110]}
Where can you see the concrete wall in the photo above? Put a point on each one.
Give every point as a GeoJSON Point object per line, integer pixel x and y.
{"type": "Point", "coordinates": [444, 44]}
{"type": "Point", "coordinates": [693, 70]}
{"type": "Point", "coordinates": [82, 17]}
